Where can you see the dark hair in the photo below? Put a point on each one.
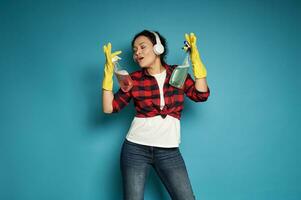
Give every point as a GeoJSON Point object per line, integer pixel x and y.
{"type": "Point", "coordinates": [152, 38]}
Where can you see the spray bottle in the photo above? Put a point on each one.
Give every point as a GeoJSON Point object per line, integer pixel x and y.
{"type": "Point", "coordinates": [123, 77]}
{"type": "Point", "coordinates": [179, 74]}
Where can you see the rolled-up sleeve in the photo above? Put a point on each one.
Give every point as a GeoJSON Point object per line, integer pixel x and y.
{"type": "Point", "coordinates": [121, 99]}
{"type": "Point", "coordinates": [192, 92]}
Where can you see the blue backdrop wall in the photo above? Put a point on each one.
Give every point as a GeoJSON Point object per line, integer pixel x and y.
{"type": "Point", "coordinates": [55, 142]}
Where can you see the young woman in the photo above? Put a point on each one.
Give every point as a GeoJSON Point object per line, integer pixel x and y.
{"type": "Point", "coordinates": [154, 136]}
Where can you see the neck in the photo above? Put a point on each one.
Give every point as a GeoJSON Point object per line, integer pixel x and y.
{"type": "Point", "coordinates": [155, 68]}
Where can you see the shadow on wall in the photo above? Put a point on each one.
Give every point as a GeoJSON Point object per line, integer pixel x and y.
{"type": "Point", "coordinates": [100, 123]}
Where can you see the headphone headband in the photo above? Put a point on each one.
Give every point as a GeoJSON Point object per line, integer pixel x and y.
{"type": "Point", "coordinates": [158, 41]}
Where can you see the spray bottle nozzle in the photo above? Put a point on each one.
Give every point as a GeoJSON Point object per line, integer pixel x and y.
{"type": "Point", "coordinates": [186, 44]}
{"type": "Point", "coordinates": [115, 59]}
{"type": "Point", "coordinates": [186, 47]}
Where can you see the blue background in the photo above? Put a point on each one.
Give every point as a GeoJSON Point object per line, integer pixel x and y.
{"type": "Point", "coordinates": [55, 142]}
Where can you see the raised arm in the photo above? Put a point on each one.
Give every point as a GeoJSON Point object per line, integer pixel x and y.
{"type": "Point", "coordinates": [199, 70]}
{"type": "Point", "coordinates": [107, 99]}
{"type": "Point", "coordinates": [107, 84]}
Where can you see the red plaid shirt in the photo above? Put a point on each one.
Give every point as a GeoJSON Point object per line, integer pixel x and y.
{"type": "Point", "coordinates": [146, 96]}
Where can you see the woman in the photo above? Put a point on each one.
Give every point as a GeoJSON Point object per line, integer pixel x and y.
{"type": "Point", "coordinates": [154, 136]}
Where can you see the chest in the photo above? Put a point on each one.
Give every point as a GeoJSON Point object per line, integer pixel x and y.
{"type": "Point", "coordinates": [148, 93]}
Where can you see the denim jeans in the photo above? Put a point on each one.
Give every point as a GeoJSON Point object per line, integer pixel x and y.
{"type": "Point", "coordinates": [135, 162]}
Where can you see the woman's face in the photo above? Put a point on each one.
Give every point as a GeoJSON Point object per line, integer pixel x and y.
{"type": "Point", "coordinates": [143, 52]}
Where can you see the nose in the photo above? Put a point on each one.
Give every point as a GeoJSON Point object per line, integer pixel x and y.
{"type": "Point", "coordinates": [138, 52]}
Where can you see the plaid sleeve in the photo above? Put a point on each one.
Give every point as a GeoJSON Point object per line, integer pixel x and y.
{"type": "Point", "coordinates": [121, 99]}
{"type": "Point", "coordinates": [192, 92]}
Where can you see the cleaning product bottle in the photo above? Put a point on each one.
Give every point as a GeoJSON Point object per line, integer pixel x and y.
{"type": "Point", "coordinates": [124, 79]}
{"type": "Point", "coordinates": [179, 74]}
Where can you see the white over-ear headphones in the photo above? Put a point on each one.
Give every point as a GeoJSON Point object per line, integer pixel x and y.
{"type": "Point", "coordinates": [158, 47]}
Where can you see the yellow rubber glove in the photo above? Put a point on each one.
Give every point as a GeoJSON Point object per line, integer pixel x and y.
{"type": "Point", "coordinates": [198, 67]}
{"type": "Point", "coordinates": [107, 82]}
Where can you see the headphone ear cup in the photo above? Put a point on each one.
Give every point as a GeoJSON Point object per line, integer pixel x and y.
{"type": "Point", "coordinates": [158, 49]}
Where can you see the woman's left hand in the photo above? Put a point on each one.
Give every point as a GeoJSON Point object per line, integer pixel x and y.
{"type": "Point", "coordinates": [198, 67]}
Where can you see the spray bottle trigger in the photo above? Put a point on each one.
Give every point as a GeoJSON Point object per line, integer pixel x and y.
{"type": "Point", "coordinates": [115, 59]}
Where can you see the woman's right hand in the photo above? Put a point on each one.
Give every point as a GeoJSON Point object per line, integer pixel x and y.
{"type": "Point", "coordinates": [107, 83]}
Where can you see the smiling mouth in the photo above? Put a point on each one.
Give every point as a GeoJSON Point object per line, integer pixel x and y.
{"type": "Point", "coordinates": [140, 59]}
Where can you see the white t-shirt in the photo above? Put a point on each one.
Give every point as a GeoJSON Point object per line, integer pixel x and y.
{"type": "Point", "coordinates": [156, 131]}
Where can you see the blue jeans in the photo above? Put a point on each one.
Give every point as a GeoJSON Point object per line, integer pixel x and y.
{"type": "Point", "coordinates": [135, 162]}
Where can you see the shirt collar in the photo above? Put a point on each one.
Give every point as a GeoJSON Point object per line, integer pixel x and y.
{"type": "Point", "coordinates": [166, 66]}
